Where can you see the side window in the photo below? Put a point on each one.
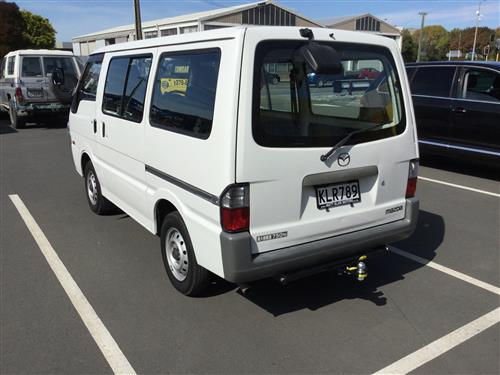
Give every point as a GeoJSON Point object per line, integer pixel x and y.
{"type": "Point", "coordinates": [2, 68]}
{"type": "Point", "coordinates": [410, 72]}
{"type": "Point", "coordinates": [10, 65]}
{"type": "Point", "coordinates": [433, 81]}
{"type": "Point", "coordinates": [125, 87]}
{"type": "Point", "coordinates": [31, 67]}
{"type": "Point", "coordinates": [480, 84]}
{"type": "Point", "coordinates": [184, 92]}
{"type": "Point", "coordinates": [87, 88]}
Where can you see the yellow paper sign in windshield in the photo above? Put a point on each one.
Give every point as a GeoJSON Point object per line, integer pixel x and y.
{"type": "Point", "coordinates": [173, 85]}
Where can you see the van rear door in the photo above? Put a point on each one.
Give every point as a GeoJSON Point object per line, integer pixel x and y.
{"type": "Point", "coordinates": [295, 197]}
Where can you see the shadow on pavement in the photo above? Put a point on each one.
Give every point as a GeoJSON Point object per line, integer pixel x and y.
{"type": "Point", "coordinates": [323, 289]}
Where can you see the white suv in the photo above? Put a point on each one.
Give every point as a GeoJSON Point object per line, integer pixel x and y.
{"type": "Point", "coordinates": [241, 177]}
{"type": "Point", "coordinates": [37, 84]}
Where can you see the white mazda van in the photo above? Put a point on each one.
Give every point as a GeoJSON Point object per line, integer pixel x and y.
{"type": "Point", "coordinates": [220, 143]}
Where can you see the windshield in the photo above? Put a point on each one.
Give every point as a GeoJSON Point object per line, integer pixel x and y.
{"type": "Point", "coordinates": [295, 107]}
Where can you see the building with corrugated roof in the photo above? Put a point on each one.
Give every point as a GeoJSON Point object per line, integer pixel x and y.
{"type": "Point", "coordinates": [259, 13]}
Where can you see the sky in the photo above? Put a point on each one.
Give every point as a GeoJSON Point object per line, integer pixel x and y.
{"type": "Point", "coordinates": [71, 18]}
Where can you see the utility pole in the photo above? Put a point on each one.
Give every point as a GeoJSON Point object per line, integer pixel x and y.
{"type": "Point", "coordinates": [478, 18]}
{"type": "Point", "coordinates": [138, 23]}
{"type": "Point", "coordinates": [423, 14]}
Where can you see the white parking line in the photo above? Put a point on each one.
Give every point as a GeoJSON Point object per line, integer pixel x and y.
{"type": "Point", "coordinates": [108, 346]}
{"type": "Point", "coordinates": [459, 186]}
{"type": "Point", "coordinates": [442, 345]}
{"type": "Point", "coordinates": [449, 271]}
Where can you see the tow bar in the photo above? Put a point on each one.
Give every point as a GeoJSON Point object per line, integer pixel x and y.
{"type": "Point", "coordinates": [349, 266]}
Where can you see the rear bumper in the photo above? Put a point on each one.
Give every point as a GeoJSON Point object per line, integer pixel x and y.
{"type": "Point", "coordinates": [31, 109]}
{"type": "Point", "coordinates": [240, 265]}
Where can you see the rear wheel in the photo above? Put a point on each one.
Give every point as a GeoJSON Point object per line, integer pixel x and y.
{"type": "Point", "coordinates": [15, 121]}
{"type": "Point", "coordinates": [178, 257]}
{"type": "Point", "coordinates": [97, 202]}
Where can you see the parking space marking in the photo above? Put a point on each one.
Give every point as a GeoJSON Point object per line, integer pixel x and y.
{"type": "Point", "coordinates": [106, 343]}
{"type": "Point", "coordinates": [459, 186]}
{"type": "Point", "coordinates": [449, 271]}
{"type": "Point", "coordinates": [442, 345]}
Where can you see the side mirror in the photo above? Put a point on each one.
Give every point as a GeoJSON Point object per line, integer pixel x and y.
{"type": "Point", "coordinates": [58, 77]}
{"type": "Point", "coordinates": [321, 59]}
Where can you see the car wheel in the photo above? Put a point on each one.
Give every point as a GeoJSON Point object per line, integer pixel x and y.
{"type": "Point", "coordinates": [97, 202]}
{"type": "Point", "coordinates": [178, 257]}
{"type": "Point", "coordinates": [15, 121]}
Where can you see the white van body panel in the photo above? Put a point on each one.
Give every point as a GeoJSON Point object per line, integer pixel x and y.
{"type": "Point", "coordinates": [283, 200]}
{"type": "Point", "coordinates": [140, 165]}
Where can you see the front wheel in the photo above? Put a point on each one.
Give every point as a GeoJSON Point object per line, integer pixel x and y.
{"type": "Point", "coordinates": [97, 202]}
{"type": "Point", "coordinates": [178, 257]}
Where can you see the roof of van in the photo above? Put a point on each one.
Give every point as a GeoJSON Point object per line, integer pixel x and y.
{"type": "Point", "coordinates": [233, 32]}
{"type": "Point", "coordinates": [40, 52]}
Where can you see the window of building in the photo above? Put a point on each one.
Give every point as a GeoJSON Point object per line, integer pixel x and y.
{"type": "Point", "coordinates": [125, 87]}
{"type": "Point", "coordinates": [150, 34]}
{"type": "Point", "coordinates": [433, 81]}
{"type": "Point", "coordinates": [31, 67]}
{"type": "Point", "coordinates": [10, 65]}
{"type": "Point", "coordinates": [167, 32]}
{"type": "Point", "coordinates": [367, 24]}
{"type": "Point", "coordinates": [110, 41]}
{"type": "Point", "coordinates": [184, 92]}
{"type": "Point", "coordinates": [188, 29]}
{"type": "Point", "coordinates": [481, 84]}
{"type": "Point", "coordinates": [268, 14]}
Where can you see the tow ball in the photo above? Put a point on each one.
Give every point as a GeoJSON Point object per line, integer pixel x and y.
{"type": "Point", "coordinates": [360, 269]}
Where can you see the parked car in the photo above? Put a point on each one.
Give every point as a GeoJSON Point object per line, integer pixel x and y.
{"type": "Point", "coordinates": [37, 84]}
{"type": "Point", "coordinates": [457, 107]}
{"type": "Point", "coordinates": [240, 180]}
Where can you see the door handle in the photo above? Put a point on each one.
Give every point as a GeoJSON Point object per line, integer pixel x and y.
{"type": "Point", "coordinates": [95, 126]}
{"type": "Point", "coordinates": [458, 110]}
{"type": "Point", "coordinates": [103, 129]}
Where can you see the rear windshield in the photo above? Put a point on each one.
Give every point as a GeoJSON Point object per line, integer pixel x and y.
{"type": "Point", "coordinates": [295, 107]}
{"type": "Point", "coordinates": [67, 64]}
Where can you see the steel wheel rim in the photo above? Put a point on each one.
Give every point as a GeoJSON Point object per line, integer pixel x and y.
{"type": "Point", "coordinates": [92, 188]}
{"type": "Point", "coordinates": [176, 253]}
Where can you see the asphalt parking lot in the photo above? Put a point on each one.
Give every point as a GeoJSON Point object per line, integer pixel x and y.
{"type": "Point", "coordinates": [409, 315]}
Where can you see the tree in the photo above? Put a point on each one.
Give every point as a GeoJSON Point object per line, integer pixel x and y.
{"type": "Point", "coordinates": [11, 28]}
{"type": "Point", "coordinates": [409, 47]}
{"type": "Point", "coordinates": [435, 44]}
{"type": "Point", "coordinates": [38, 32]}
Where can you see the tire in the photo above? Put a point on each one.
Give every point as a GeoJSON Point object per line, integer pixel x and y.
{"type": "Point", "coordinates": [178, 257]}
{"type": "Point", "coordinates": [97, 202]}
{"type": "Point", "coordinates": [15, 121]}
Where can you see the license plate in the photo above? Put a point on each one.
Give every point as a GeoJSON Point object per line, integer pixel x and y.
{"type": "Point", "coordinates": [337, 194]}
{"type": "Point", "coordinates": [35, 93]}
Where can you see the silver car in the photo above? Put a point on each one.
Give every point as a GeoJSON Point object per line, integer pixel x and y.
{"type": "Point", "coordinates": [37, 85]}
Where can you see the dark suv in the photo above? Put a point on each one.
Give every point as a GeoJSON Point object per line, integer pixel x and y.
{"type": "Point", "coordinates": [457, 107]}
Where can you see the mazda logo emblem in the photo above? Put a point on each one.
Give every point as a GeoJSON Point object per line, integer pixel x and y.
{"type": "Point", "coordinates": [344, 159]}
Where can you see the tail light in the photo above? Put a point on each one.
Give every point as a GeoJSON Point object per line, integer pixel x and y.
{"type": "Point", "coordinates": [235, 208]}
{"type": "Point", "coordinates": [411, 186]}
{"type": "Point", "coordinates": [19, 95]}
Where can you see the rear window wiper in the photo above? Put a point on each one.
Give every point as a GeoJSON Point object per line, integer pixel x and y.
{"type": "Point", "coordinates": [344, 140]}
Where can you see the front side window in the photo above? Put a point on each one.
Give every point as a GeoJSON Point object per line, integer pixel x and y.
{"type": "Point", "coordinates": [65, 63]}
{"type": "Point", "coordinates": [296, 107]}
{"type": "Point", "coordinates": [433, 81]}
{"type": "Point", "coordinates": [87, 87]}
{"type": "Point", "coordinates": [482, 85]}
{"type": "Point", "coordinates": [2, 68]}
{"type": "Point", "coordinates": [184, 92]}
{"type": "Point", "coordinates": [10, 65]}
{"type": "Point", "coordinates": [31, 67]}
{"type": "Point", "coordinates": [125, 87]}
